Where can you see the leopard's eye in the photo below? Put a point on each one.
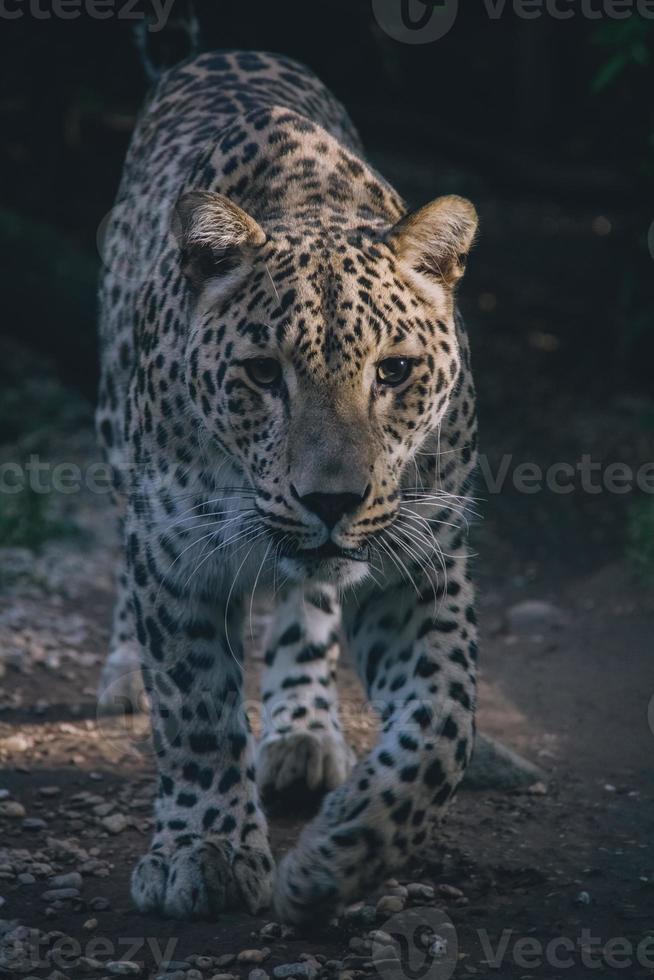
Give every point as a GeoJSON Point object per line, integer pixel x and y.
{"type": "Point", "coordinates": [264, 371]}
{"type": "Point", "coordinates": [393, 371]}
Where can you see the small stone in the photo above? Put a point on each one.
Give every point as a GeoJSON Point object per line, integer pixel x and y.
{"type": "Point", "coordinates": [258, 975]}
{"type": "Point", "coordinates": [229, 976]}
{"type": "Point", "coordinates": [99, 904]}
{"type": "Point", "coordinates": [399, 890]}
{"type": "Point", "coordinates": [90, 924]}
{"type": "Point", "coordinates": [26, 878]}
{"type": "Point", "coordinates": [271, 930]}
{"type": "Point", "coordinates": [449, 891]}
{"type": "Point", "coordinates": [360, 946]}
{"type": "Point", "coordinates": [49, 791]}
{"type": "Point", "coordinates": [306, 970]}
{"type": "Point", "coordinates": [253, 955]}
{"type": "Point", "coordinates": [389, 905]}
{"type": "Point", "coordinates": [72, 879]}
{"type": "Point", "coordinates": [359, 912]}
{"type": "Point", "coordinates": [115, 824]}
{"type": "Point", "coordinates": [193, 975]}
{"type": "Point", "coordinates": [538, 788]}
{"type": "Point", "coordinates": [60, 894]}
{"type": "Point", "coordinates": [33, 823]}
{"type": "Point", "coordinates": [583, 898]}
{"type": "Point", "coordinates": [420, 893]}
{"type": "Point", "coordinates": [123, 968]}
{"type": "Point", "coordinates": [533, 614]}
{"type": "Point", "coordinates": [12, 809]}
{"type": "Point", "coordinates": [202, 962]}
{"type": "Point", "coordinates": [225, 960]}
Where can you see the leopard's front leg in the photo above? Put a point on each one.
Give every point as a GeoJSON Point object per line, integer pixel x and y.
{"type": "Point", "coordinates": [302, 744]}
{"type": "Point", "coordinates": [417, 656]}
{"type": "Point", "coordinates": [210, 849]}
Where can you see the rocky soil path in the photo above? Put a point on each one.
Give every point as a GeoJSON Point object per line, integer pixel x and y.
{"type": "Point", "coordinates": [553, 881]}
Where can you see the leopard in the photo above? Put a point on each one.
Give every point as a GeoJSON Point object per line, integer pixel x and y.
{"type": "Point", "coordinates": [288, 411]}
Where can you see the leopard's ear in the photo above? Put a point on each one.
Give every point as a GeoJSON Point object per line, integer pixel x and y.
{"type": "Point", "coordinates": [435, 240]}
{"type": "Point", "coordinates": [214, 235]}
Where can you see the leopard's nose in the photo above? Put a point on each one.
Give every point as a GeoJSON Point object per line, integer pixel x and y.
{"type": "Point", "coordinates": [330, 507]}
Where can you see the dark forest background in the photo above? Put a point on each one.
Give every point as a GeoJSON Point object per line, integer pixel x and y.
{"type": "Point", "coordinates": [547, 125]}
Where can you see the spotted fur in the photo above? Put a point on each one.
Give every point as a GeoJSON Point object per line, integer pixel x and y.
{"type": "Point", "coordinates": [251, 240]}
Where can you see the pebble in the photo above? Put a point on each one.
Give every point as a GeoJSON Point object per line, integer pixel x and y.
{"type": "Point", "coordinates": [99, 904]}
{"type": "Point", "coordinates": [33, 823]}
{"type": "Point", "coordinates": [72, 879]}
{"type": "Point", "coordinates": [421, 893]}
{"type": "Point", "coordinates": [583, 898]}
{"type": "Point", "coordinates": [449, 891]}
{"type": "Point", "coordinates": [26, 878]}
{"type": "Point", "coordinates": [225, 960]}
{"type": "Point", "coordinates": [253, 955]}
{"type": "Point", "coordinates": [60, 894]}
{"type": "Point", "coordinates": [534, 613]}
{"type": "Point", "coordinates": [399, 890]}
{"type": "Point", "coordinates": [123, 968]}
{"type": "Point", "coordinates": [229, 976]}
{"type": "Point", "coordinates": [365, 914]}
{"type": "Point", "coordinates": [12, 808]}
{"type": "Point", "coordinates": [304, 970]}
{"type": "Point", "coordinates": [258, 975]}
{"type": "Point", "coordinates": [202, 962]}
{"type": "Point", "coordinates": [115, 823]}
{"type": "Point", "coordinates": [389, 905]}
{"type": "Point", "coordinates": [49, 791]}
{"type": "Point", "coordinates": [360, 946]}
{"type": "Point", "coordinates": [90, 924]}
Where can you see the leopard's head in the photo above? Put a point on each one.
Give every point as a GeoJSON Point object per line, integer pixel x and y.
{"type": "Point", "coordinates": [321, 358]}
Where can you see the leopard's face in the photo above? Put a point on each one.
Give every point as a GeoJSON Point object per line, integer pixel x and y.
{"type": "Point", "coordinates": [320, 367]}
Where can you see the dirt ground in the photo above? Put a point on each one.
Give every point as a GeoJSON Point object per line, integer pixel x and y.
{"type": "Point", "coordinates": [568, 859]}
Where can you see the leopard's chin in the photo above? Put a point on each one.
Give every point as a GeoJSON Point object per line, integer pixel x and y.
{"type": "Point", "coordinates": [338, 570]}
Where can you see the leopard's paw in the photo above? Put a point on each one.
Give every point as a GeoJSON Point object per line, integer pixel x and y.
{"type": "Point", "coordinates": [305, 884]}
{"type": "Point", "coordinates": [299, 761]}
{"type": "Point", "coordinates": [200, 879]}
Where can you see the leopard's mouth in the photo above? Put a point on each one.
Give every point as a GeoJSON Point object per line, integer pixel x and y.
{"type": "Point", "coordinates": [325, 552]}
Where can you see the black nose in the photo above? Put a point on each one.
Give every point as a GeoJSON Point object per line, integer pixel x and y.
{"type": "Point", "coordinates": [330, 507]}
